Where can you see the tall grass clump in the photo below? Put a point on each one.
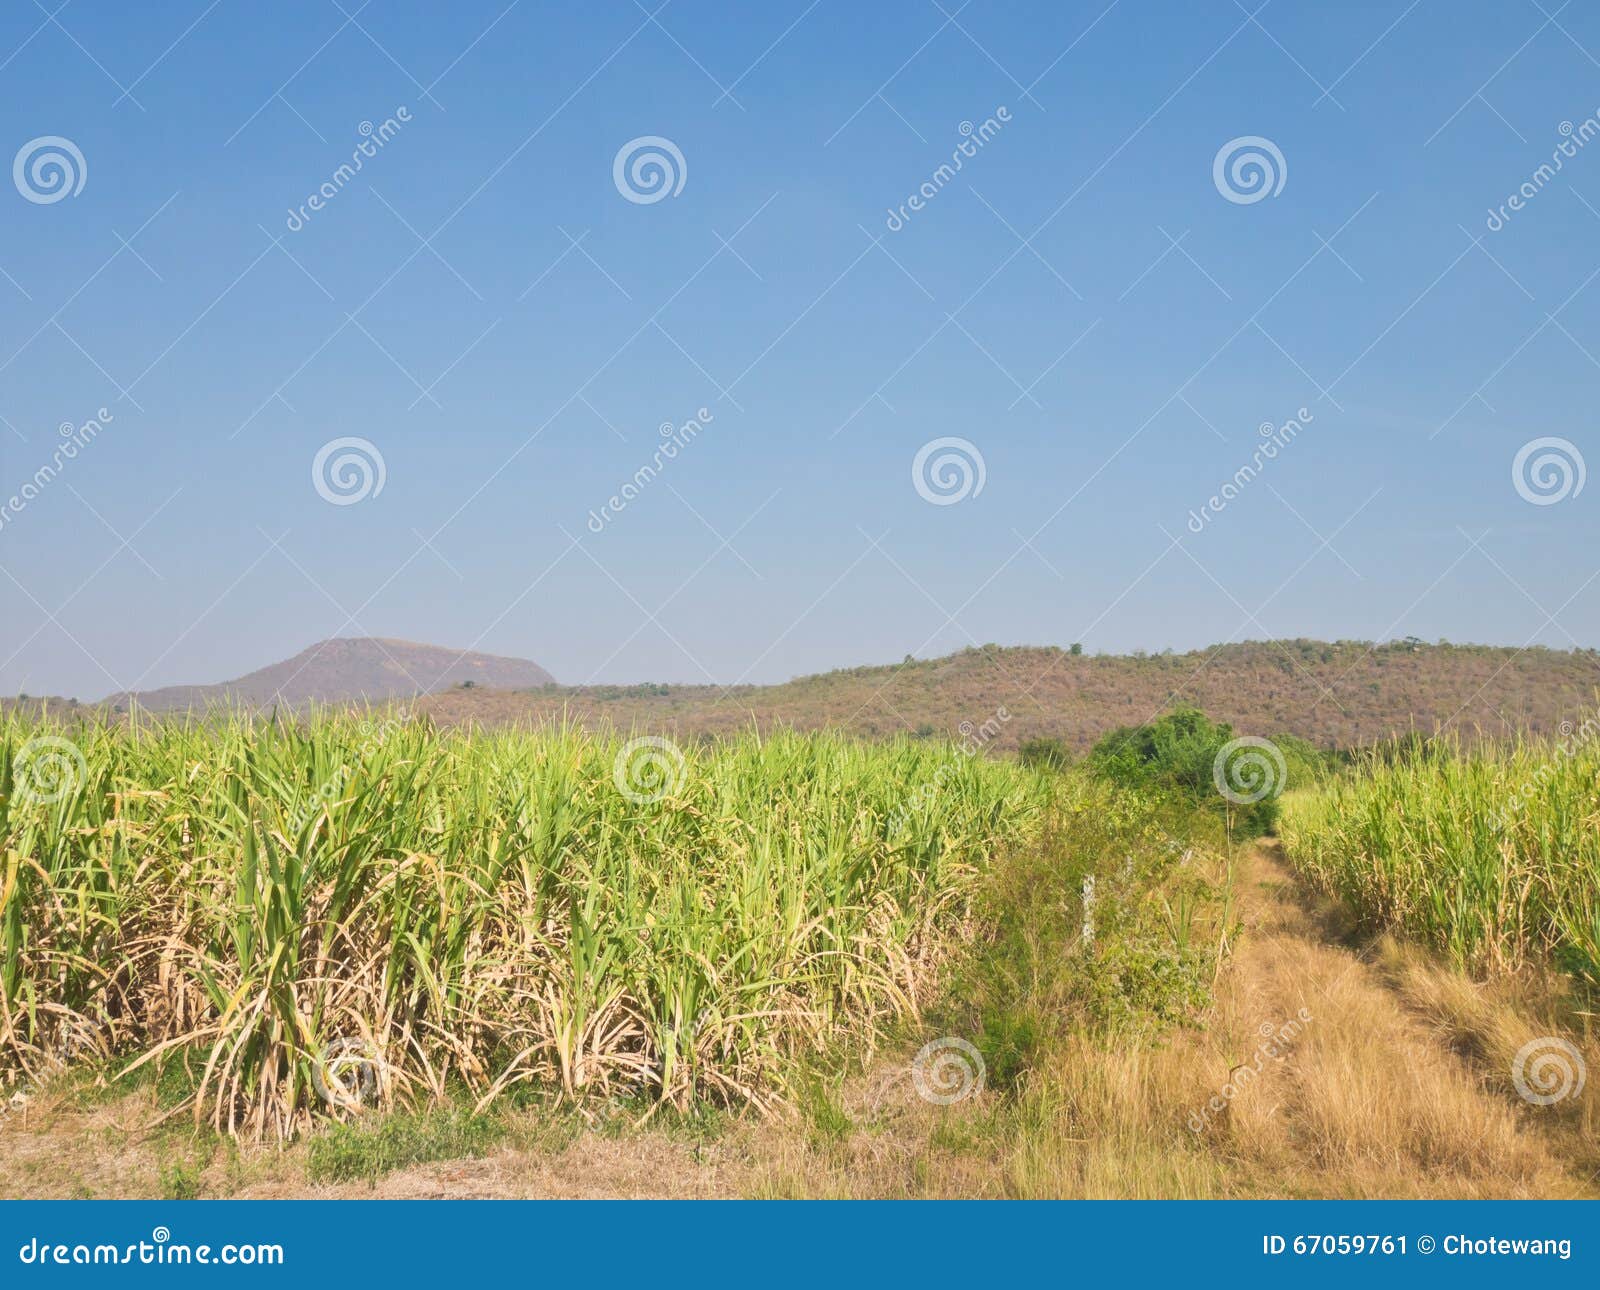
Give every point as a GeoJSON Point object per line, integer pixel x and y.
{"type": "Point", "coordinates": [1490, 853]}
{"type": "Point", "coordinates": [297, 915]}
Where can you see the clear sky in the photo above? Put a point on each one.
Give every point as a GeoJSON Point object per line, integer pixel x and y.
{"type": "Point", "coordinates": [1100, 313]}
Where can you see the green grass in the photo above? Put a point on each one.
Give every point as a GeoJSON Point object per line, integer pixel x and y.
{"type": "Point", "coordinates": [367, 1150]}
{"type": "Point", "coordinates": [225, 899]}
{"type": "Point", "coordinates": [180, 1180]}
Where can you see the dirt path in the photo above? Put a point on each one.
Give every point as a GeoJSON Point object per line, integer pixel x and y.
{"type": "Point", "coordinates": [1396, 1074]}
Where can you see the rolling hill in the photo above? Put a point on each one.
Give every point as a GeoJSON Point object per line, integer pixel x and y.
{"type": "Point", "coordinates": [1336, 694]}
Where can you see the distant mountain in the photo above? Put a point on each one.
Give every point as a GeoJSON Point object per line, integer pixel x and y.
{"type": "Point", "coordinates": [350, 669]}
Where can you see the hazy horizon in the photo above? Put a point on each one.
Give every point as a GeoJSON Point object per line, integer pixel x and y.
{"type": "Point", "coordinates": [247, 667]}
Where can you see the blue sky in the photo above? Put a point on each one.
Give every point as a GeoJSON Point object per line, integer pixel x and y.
{"type": "Point", "coordinates": [486, 308]}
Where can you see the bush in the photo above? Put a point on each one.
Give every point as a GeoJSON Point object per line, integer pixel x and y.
{"type": "Point", "coordinates": [1307, 764]}
{"type": "Point", "coordinates": [1178, 754]}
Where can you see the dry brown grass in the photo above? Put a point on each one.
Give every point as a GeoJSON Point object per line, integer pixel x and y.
{"type": "Point", "coordinates": [1371, 1099]}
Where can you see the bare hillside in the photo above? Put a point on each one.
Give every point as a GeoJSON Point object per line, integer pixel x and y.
{"type": "Point", "coordinates": [1334, 694]}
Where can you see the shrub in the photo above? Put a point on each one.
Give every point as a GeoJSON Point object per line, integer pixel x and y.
{"type": "Point", "coordinates": [1178, 753]}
